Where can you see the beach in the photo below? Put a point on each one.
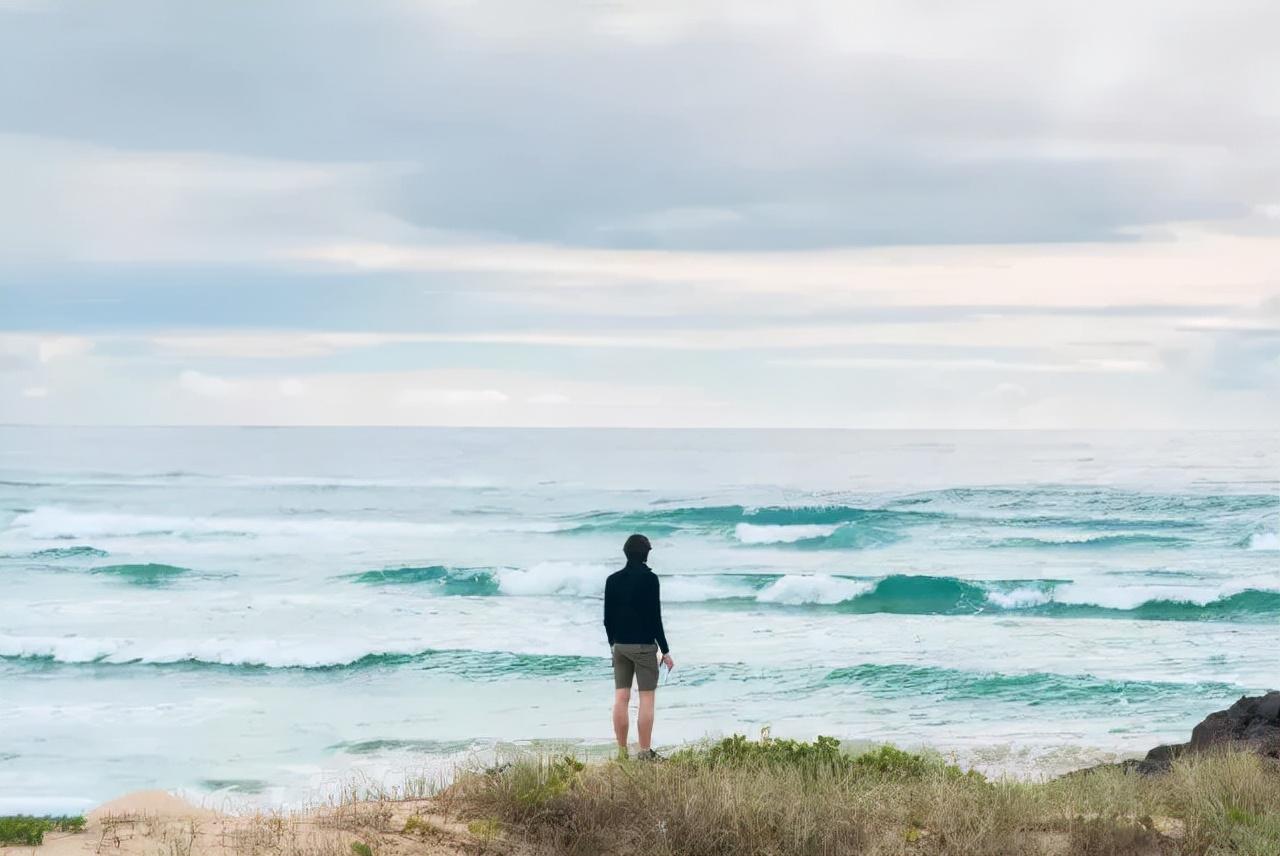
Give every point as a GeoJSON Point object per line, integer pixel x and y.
{"type": "Point", "coordinates": [145, 822]}
{"type": "Point", "coordinates": [734, 796]}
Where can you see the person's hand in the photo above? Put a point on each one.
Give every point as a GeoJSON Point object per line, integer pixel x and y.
{"type": "Point", "coordinates": [668, 662]}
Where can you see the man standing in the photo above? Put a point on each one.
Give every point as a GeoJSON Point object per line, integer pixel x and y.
{"type": "Point", "coordinates": [633, 622]}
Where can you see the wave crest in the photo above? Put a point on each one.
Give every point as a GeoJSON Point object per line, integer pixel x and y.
{"type": "Point", "coordinates": [264, 654]}
{"type": "Point", "coordinates": [1264, 541]}
{"type": "Point", "coordinates": [896, 681]}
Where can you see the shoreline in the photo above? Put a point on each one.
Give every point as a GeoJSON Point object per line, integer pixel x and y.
{"type": "Point", "coordinates": [733, 797]}
{"type": "Point", "coordinates": [1017, 761]}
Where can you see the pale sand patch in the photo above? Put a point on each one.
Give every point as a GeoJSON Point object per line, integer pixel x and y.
{"type": "Point", "coordinates": [155, 823]}
{"type": "Point", "coordinates": [151, 803]}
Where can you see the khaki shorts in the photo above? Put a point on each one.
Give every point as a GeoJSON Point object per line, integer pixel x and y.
{"type": "Point", "coordinates": [638, 661]}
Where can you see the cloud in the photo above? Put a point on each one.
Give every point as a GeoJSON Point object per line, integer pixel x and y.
{"type": "Point", "coordinates": [447, 397]}
{"type": "Point", "coordinates": [1237, 268]}
{"type": "Point", "coordinates": [291, 387]}
{"type": "Point", "coordinates": [57, 347]}
{"type": "Point", "coordinates": [35, 392]}
{"type": "Point", "coordinates": [700, 125]}
{"type": "Point", "coordinates": [700, 212]}
{"type": "Point", "coordinates": [269, 344]}
{"type": "Point", "coordinates": [206, 385]}
{"type": "Point", "coordinates": [972, 364]}
{"type": "Point", "coordinates": [30, 351]}
{"type": "Point", "coordinates": [74, 202]}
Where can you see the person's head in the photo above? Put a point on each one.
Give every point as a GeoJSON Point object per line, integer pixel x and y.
{"type": "Point", "coordinates": [637, 548]}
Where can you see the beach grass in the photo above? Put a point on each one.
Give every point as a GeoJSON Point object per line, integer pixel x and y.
{"type": "Point", "coordinates": [27, 831]}
{"type": "Point", "coordinates": [786, 797]}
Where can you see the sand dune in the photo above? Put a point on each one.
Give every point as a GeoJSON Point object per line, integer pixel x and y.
{"type": "Point", "coordinates": [147, 823]}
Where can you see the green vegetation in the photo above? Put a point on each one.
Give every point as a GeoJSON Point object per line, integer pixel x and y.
{"type": "Point", "coordinates": [783, 797]}
{"type": "Point", "coordinates": [824, 756]}
{"type": "Point", "coordinates": [29, 831]}
{"type": "Point", "coordinates": [485, 828]}
{"type": "Point", "coordinates": [417, 825]}
{"type": "Point", "coordinates": [359, 848]}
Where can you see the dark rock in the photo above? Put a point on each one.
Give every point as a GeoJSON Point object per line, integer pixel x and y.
{"type": "Point", "coordinates": [1250, 725]}
{"type": "Point", "coordinates": [1160, 759]}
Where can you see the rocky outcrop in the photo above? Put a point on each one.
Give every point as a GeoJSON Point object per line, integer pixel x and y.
{"type": "Point", "coordinates": [1250, 725]}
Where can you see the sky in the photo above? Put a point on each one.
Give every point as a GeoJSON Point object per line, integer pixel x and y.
{"type": "Point", "coordinates": [888, 214]}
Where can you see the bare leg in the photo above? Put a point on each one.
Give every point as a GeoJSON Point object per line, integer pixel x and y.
{"type": "Point", "coordinates": [645, 720]}
{"type": "Point", "coordinates": [622, 698]}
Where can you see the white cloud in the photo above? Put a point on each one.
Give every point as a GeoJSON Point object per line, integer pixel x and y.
{"type": "Point", "coordinates": [698, 221]}
{"type": "Point", "coordinates": [78, 202]}
{"type": "Point", "coordinates": [35, 392]}
{"type": "Point", "coordinates": [57, 347]}
{"type": "Point", "coordinates": [447, 397]}
{"type": "Point", "coordinates": [960, 364]}
{"type": "Point", "coordinates": [1195, 266]}
{"type": "Point", "coordinates": [291, 387]}
{"type": "Point", "coordinates": [268, 344]}
{"type": "Point", "coordinates": [206, 385]}
{"type": "Point", "coordinates": [549, 398]}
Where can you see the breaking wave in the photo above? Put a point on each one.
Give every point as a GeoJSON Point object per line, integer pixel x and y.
{"type": "Point", "coordinates": [264, 654]}
{"type": "Point", "coordinates": [1264, 541]}
{"type": "Point", "coordinates": [79, 552]}
{"type": "Point", "coordinates": [1127, 539]}
{"type": "Point", "coordinates": [145, 574]}
{"type": "Point", "coordinates": [1243, 600]}
{"type": "Point", "coordinates": [1036, 688]}
{"type": "Point", "coordinates": [54, 524]}
{"type": "Point", "coordinates": [449, 581]}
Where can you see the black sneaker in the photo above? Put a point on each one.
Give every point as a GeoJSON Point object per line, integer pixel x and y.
{"type": "Point", "coordinates": [648, 755]}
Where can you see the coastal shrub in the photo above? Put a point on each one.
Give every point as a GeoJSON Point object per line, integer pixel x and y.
{"type": "Point", "coordinates": [524, 789]}
{"type": "Point", "coordinates": [813, 799]}
{"type": "Point", "coordinates": [27, 831]}
{"type": "Point", "coordinates": [416, 824]}
{"type": "Point", "coordinates": [1230, 801]}
{"type": "Point", "coordinates": [824, 754]}
{"type": "Point", "coordinates": [738, 751]}
{"type": "Point", "coordinates": [485, 828]}
{"type": "Point", "coordinates": [1112, 837]}
{"type": "Point", "coordinates": [537, 785]}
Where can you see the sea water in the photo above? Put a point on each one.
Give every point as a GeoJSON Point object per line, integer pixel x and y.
{"type": "Point", "coordinates": [263, 613]}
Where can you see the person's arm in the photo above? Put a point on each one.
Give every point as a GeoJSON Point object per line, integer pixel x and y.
{"type": "Point", "coordinates": [659, 636]}
{"type": "Point", "coordinates": [609, 607]}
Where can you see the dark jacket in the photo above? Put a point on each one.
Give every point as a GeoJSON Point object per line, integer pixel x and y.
{"type": "Point", "coordinates": [633, 607]}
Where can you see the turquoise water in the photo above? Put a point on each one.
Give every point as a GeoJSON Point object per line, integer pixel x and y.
{"type": "Point", "coordinates": [260, 613]}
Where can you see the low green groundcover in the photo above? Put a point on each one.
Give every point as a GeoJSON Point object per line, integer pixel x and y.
{"type": "Point", "coordinates": [27, 831]}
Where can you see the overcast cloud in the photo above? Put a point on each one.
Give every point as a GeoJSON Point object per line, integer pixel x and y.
{"type": "Point", "coordinates": [885, 214]}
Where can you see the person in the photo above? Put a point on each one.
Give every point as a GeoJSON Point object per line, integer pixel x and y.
{"type": "Point", "coordinates": [633, 623]}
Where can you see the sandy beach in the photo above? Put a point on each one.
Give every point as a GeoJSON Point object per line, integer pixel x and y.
{"type": "Point", "coordinates": [151, 822]}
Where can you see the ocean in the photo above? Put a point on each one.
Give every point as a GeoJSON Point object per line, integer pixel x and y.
{"type": "Point", "coordinates": [260, 615]}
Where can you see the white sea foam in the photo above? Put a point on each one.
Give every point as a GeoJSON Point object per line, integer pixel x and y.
{"type": "Point", "coordinates": [1264, 541]}
{"type": "Point", "coordinates": [751, 533]}
{"type": "Point", "coordinates": [275, 653]}
{"type": "Point", "coordinates": [698, 588]}
{"type": "Point", "coordinates": [50, 523]}
{"type": "Point", "coordinates": [1100, 593]}
{"type": "Point", "coordinates": [465, 482]}
{"type": "Point", "coordinates": [554, 578]}
{"type": "Point", "coordinates": [46, 805]}
{"type": "Point", "coordinates": [570, 579]}
{"type": "Point", "coordinates": [1018, 598]}
{"type": "Point", "coordinates": [812, 588]}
